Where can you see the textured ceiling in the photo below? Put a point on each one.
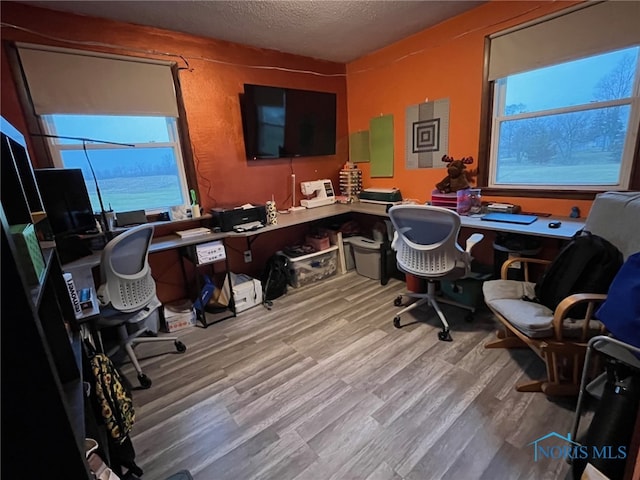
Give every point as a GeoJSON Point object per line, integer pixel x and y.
{"type": "Point", "coordinates": [334, 30]}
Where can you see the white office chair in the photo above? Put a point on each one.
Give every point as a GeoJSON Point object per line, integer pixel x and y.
{"type": "Point", "coordinates": [426, 242]}
{"type": "Point", "coordinates": [127, 294]}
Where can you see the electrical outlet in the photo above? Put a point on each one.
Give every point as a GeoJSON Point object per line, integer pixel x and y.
{"type": "Point", "coordinates": [247, 256]}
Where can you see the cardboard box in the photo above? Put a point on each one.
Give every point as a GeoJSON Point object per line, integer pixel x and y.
{"type": "Point", "coordinates": [179, 315]}
{"type": "Point", "coordinates": [247, 292]}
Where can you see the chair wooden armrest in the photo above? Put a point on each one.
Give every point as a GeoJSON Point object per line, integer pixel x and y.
{"type": "Point", "coordinates": [563, 308]}
{"type": "Point", "coordinates": [525, 262]}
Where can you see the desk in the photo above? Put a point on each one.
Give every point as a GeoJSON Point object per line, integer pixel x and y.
{"type": "Point", "coordinates": [81, 268]}
{"type": "Point", "coordinates": [539, 228]}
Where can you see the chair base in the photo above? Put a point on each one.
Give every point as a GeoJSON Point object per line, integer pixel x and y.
{"type": "Point", "coordinates": [432, 300]}
{"type": "Point", "coordinates": [552, 354]}
{"type": "Point", "coordinates": [128, 341]}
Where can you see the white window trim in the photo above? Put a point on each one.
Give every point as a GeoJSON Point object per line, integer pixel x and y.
{"type": "Point", "coordinates": [626, 166]}
{"type": "Point", "coordinates": [56, 148]}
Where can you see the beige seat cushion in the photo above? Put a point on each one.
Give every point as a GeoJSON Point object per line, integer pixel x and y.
{"type": "Point", "coordinates": [505, 296]}
{"type": "Point", "coordinates": [532, 319]}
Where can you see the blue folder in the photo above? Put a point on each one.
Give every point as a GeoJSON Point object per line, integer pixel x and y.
{"type": "Point", "coordinates": [510, 218]}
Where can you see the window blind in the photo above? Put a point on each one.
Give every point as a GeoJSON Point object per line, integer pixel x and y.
{"type": "Point", "coordinates": [63, 81]}
{"type": "Point", "coordinates": [596, 28]}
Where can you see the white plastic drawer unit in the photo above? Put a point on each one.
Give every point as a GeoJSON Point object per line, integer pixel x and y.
{"type": "Point", "coordinates": [310, 268]}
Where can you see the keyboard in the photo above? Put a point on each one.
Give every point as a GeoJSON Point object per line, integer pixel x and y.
{"type": "Point", "coordinates": [193, 232]}
{"type": "Point", "coordinates": [510, 218]}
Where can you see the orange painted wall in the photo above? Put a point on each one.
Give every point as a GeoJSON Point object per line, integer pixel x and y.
{"type": "Point", "coordinates": [210, 92]}
{"type": "Point", "coordinates": [445, 61]}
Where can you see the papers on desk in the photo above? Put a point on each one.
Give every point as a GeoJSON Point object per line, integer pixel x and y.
{"type": "Point", "coordinates": [193, 232]}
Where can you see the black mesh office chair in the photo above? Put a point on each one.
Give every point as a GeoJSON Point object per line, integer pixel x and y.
{"type": "Point", "coordinates": [426, 245]}
{"type": "Point", "coordinates": [127, 294]}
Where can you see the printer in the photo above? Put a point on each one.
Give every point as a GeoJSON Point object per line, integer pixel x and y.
{"type": "Point", "coordinates": [380, 195]}
{"type": "Point", "coordinates": [239, 219]}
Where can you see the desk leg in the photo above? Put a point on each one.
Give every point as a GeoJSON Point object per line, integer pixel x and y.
{"type": "Point", "coordinates": [384, 274]}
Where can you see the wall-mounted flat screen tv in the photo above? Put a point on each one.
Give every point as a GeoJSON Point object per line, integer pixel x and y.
{"type": "Point", "coordinates": [285, 122]}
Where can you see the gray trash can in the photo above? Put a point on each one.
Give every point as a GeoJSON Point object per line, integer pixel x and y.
{"type": "Point", "coordinates": [366, 253]}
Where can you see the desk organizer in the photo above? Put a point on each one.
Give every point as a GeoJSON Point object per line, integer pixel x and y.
{"type": "Point", "coordinates": [311, 268]}
{"type": "Point", "coordinates": [446, 200]}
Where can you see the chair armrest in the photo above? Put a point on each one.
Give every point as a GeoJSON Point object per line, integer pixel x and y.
{"type": "Point", "coordinates": [565, 305]}
{"type": "Point", "coordinates": [472, 240]}
{"type": "Point", "coordinates": [525, 261]}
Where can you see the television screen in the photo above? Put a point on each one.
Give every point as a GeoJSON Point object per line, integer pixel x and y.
{"type": "Point", "coordinates": [284, 122]}
{"type": "Point", "coordinates": [66, 200]}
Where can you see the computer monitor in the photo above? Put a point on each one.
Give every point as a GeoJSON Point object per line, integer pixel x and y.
{"type": "Point", "coordinates": [66, 201]}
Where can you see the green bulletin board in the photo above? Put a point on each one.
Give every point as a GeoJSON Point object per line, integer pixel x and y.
{"type": "Point", "coordinates": [359, 146]}
{"type": "Point", "coordinates": [381, 146]}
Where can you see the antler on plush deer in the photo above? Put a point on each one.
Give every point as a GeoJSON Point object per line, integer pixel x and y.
{"type": "Point", "coordinates": [465, 160]}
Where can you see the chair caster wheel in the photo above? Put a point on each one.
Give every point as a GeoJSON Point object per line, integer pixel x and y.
{"type": "Point", "coordinates": [469, 317]}
{"type": "Point", "coordinates": [445, 336]}
{"type": "Point", "coordinates": [398, 301]}
{"type": "Point", "coordinates": [181, 347]}
{"type": "Point", "coordinates": [396, 322]}
{"type": "Point", "coordinates": [145, 382]}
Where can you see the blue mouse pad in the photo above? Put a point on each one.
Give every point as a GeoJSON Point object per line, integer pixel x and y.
{"type": "Point", "coordinates": [510, 218]}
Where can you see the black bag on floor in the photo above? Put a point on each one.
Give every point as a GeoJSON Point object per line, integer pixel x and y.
{"type": "Point", "coordinates": [275, 278]}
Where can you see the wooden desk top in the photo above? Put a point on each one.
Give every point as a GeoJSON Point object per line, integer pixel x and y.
{"type": "Point", "coordinates": [539, 228]}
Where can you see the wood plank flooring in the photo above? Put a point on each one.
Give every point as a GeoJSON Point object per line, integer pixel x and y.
{"type": "Point", "coordinates": [323, 386]}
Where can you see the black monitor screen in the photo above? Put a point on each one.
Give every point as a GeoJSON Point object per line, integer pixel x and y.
{"type": "Point", "coordinates": [285, 122]}
{"type": "Point", "coordinates": [66, 200]}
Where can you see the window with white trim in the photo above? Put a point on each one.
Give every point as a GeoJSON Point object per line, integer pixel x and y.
{"type": "Point", "coordinates": [144, 172]}
{"type": "Point", "coordinates": [566, 101]}
{"type": "Point", "coordinates": [570, 126]}
{"type": "Point", "coordinates": [113, 116]}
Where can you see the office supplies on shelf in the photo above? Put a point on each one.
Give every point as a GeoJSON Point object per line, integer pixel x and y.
{"type": "Point", "coordinates": [86, 299]}
{"type": "Point", "coordinates": [130, 219]}
{"type": "Point", "coordinates": [510, 218]}
{"type": "Point", "coordinates": [350, 182]}
{"type": "Point", "coordinates": [206, 252]}
{"type": "Point", "coordinates": [503, 208]}
{"type": "Point", "coordinates": [193, 232]}
{"type": "Point", "coordinates": [228, 219]}
{"type": "Point", "coordinates": [73, 294]}
{"type": "Point", "coordinates": [380, 195]}
{"type": "Point", "coordinates": [322, 190]}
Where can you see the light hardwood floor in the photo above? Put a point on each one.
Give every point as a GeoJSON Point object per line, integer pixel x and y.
{"type": "Point", "coordinates": [324, 387]}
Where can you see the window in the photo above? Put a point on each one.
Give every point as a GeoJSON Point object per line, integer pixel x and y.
{"type": "Point", "coordinates": [148, 174]}
{"type": "Point", "coordinates": [561, 103]}
{"type": "Point", "coordinates": [125, 109]}
{"type": "Point", "coordinates": [569, 126]}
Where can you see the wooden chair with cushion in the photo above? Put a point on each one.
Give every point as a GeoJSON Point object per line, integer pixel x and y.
{"type": "Point", "coordinates": [559, 340]}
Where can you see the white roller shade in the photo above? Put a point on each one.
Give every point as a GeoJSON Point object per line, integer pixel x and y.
{"type": "Point", "coordinates": [594, 29]}
{"type": "Point", "coordinates": [74, 82]}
